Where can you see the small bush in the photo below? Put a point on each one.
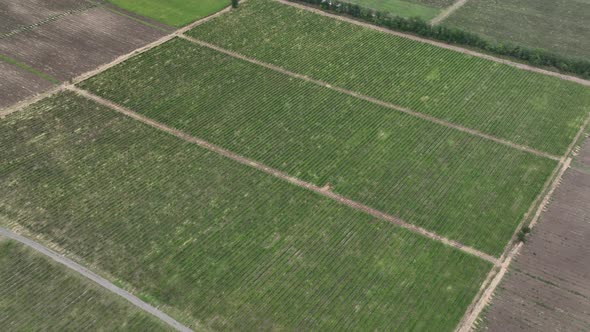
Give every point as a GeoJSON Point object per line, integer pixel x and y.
{"type": "Point", "coordinates": [235, 3]}
{"type": "Point", "coordinates": [521, 236]}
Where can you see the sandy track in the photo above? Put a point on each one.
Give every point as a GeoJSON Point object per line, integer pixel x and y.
{"type": "Point", "coordinates": [283, 176]}
{"type": "Point", "coordinates": [375, 101]}
{"type": "Point", "coordinates": [96, 278]}
{"type": "Point", "coordinates": [447, 12]}
{"type": "Point", "coordinates": [439, 44]}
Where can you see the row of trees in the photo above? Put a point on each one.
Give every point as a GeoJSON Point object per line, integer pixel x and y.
{"type": "Point", "coordinates": [418, 26]}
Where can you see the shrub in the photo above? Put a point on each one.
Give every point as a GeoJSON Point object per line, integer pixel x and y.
{"type": "Point", "coordinates": [458, 36]}
{"type": "Point", "coordinates": [234, 3]}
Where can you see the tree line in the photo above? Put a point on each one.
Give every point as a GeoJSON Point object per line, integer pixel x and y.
{"type": "Point", "coordinates": [420, 27]}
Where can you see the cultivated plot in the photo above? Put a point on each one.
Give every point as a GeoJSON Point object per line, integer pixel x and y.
{"type": "Point", "coordinates": [173, 12]}
{"type": "Point", "coordinates": [425, 9]}
{"type": "Point", "coordinates": [469, 189]}
{"type": "Point", "coordinates": [213, 242]}
{"type": "Point", "coordinates": [22, 14]}
{"type": "Point", "coordinates": [74, 44]}
{"type": "Point", "coordinates": [527, 108]}
{"type": "Point", "coordinates": [17, 84]}
{"type": "Point", "coordinates": [558, 26]}
{"type": "Point", "coordinates": [38, 294]}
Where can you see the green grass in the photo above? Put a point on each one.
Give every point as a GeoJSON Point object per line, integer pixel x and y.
{"type": "Point", "coordinates": [37, 294]}
{"type": "Point", "coordinates": [173, 12]}
{"type": "Point", "coordinates": [216, 243]}
{"type": "Point", "coordinates": [457, 185]}
{"type": "Point", "coordinates": [527, 108]}
{"type": "Point", "coordinates": [560, 26]}
{"type": "Point", "coordinates": [401, 8]}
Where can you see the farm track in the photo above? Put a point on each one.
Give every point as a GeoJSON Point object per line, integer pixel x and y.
{"type": "Point", "coordinates": [319, 190]}
{"type": "Point", "coordinates": [513, 248]}
{"type": "Point", "coordinates": [374, 100]}
{"type": "Point", "coordinates": [438, 44]}
{"type": "Point", "coordinates": [448, 11]}
{"type": "Point", "coordinates": [95, 278]}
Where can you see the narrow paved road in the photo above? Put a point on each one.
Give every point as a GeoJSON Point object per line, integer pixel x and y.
{"type": "Point", "coordinates": [96, 278]}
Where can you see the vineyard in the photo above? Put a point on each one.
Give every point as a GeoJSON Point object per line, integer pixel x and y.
{"type": "Point", "coordinates": [271, 168]}
{"type": "Point", "coordinates": [36, 294]}
{"type": "Point", "coordinates": [464, 187]}
{"type": "Point", "coordinates": [215, 241]}
{"type": "Point", "coordinates": [523, 107]}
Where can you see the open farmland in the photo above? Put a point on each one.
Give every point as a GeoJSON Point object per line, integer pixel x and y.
{"type": "Point", "coordinates": [560, 26]}
{"type": "Point", "coordinates": [173, 12]}
{"type": "Point", "coordinates": [18, 83]}
{"type": "Point", "coordinates": [425, 9]}
{"type": "Point", "coordinates": [38, 294]}
{"type": "Point", "coordinates": [213, 242]}
{"type": "Point", "coordinates": [523, 107]}
{"type": "Point", "coordinates": [464, 187]}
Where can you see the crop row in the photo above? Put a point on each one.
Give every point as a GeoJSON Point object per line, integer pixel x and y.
{"type": "Point", "coordinates": [36, 294]}
{"type": "Point", "coordinates": [528, 108]}
{"type": "Point", "coordinates": [214, 242]}
{"type": "Point", "coordinates": [460, 186]}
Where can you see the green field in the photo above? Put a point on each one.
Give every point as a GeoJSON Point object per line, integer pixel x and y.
{"type": "Point", "coordinates": [469, 189]}
{"type": "Point", "coordinates": [37, 294]}
{"type": "Point", "coordinates": [527, 108]}
{"type": "Point", "coordinates": [425, 9]}
{"type": "Point", "coordinates": [215, 243]}
{"type": "Point", "coordinates": [173, 12]}
{"type": "Point", "coordinates": [560, 26]}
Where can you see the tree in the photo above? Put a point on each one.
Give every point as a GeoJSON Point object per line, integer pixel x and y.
{"type": "Point", "coordinates": [234, 3]}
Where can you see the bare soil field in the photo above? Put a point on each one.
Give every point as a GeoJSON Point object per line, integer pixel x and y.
{"type": "Point", "coordinates": [16, 14]}
{"type": "Point", "coordinates": [17, 84]}
{"type": "Point", "coordinates": [547, 288]}
{"type": "Point", "coordinates": [78, 43]}
{"type": "Point", "coordinates": [584, 154]}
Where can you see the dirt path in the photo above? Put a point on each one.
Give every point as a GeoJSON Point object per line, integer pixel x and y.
{"type": "Point", "coordinates": [375, 101]}
{"type": "Point", "coordinates": [439, 44]}
{"type": "Point", "coordinates": [96, 278]}
{"type": "Point", "coordinates": [447, 12]}
{"type": "Point", "coordinates": [100, 69]}
{"type": "Point", "coordinates": [283, 176]}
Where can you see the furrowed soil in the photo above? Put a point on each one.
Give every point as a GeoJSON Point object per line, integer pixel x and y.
{"type": "Point", "coordinates": [78, 43]}
{"type": "Point", "coordinates": [22, 13]}
{"type": "Point", "coordinates": [37, 294]}
{"type": "Point", "coordinates": [212, 242]}
{"type": "Point", "coordinates": [547, 288]}
{"type": "Point", "coordinates": [17, 84]}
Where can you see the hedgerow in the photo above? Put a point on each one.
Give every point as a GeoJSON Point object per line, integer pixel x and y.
{"type": "Point", "coordinates": [418, 26]}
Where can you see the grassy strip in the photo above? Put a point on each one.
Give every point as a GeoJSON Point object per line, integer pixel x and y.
{"type": "Point", "coordinates": [520, 106]}
{"type": "Point", "coordinates": [38, 294]}
{"type": "Point", "coordinates": [28, 69]}
{"type": "Point", "coordinates": [173, 12]}
{"type": "Point", "coordinates": [227, 247]}
{"type": "Point", "coordinates": [463, 187]}
{"type": "Point", "coordinates": [401, 8]}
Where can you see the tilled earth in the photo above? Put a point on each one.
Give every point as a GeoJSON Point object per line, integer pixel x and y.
{"type": "Point", "coordinates": [17, 84]}
{"type": "Point", "coordinates": [548, 287]}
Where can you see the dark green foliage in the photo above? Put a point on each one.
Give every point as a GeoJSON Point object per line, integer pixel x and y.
{"type": "Point", "coordinates": [536, 57]}
{"type": "Point", "coordinates": [521, 236]}
{"type": "Point", "coordinates": [234, 3]}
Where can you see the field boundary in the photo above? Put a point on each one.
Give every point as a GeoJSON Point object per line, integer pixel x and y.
{"type": "Point", "coordinates": [376, 101]}
{"type": "Point", "coordinates": [448, 11]}
{"type": "Point", "coordinates": [438, 44]}
{"type": "Point", "coordinates": [485, 295]}
{"type": "Point", "coordinates": [283, 176]}
{"type": "Point", "coordinates": [95, 278]}
{"type": "Point", "coordinates": [26, 102]}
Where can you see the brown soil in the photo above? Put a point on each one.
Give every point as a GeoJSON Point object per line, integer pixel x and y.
{"type": "Point", "coordinates": [78, 43]}
{"type": "Point", "coordinates": [17, 84]}
{"type": "Point", "coordinates": [15, 14]}
{"type": "Point", "coordinates": [548, 287]}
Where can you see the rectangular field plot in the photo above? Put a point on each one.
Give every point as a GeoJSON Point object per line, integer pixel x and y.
{"type": "Point", "coordinates": [37, 294]}
{"type": "Point", "coordinates": [17, 84]}
{"type": "Point", "coordinates": [560, 26]}
{"type": "Point", "coordinates": [460, 186]}
{"type": "Point", "coordinates": [78, 43]}
{"type": "Point", "coordinates": [425, 9]}
{"type": "Point", "coordinates": [523, 107]}
{"type": "Point", "coordinates": [212, 242]}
